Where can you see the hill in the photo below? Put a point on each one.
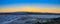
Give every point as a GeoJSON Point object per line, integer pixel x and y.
{"type": "Point", "coordinates": [29, 13]}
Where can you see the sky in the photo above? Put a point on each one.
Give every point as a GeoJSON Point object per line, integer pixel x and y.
{"type": "Point", "coordinates": [30, 6]}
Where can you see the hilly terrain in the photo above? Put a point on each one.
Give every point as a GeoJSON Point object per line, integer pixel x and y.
{"type": "Point", "coordinates": [29, 13]}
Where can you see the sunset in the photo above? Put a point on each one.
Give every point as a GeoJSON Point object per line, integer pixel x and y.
{"type": "Point", "coordinates": [29, 11]}
{"type": "Point", "coordinates": [30, 6]}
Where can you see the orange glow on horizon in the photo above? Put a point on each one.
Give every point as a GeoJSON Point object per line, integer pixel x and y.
{"type": "Point", "coordinates": [31, 10]}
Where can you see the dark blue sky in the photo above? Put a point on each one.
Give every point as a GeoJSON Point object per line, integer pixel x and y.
{"type": "Point", "coordinates": [3, 2]}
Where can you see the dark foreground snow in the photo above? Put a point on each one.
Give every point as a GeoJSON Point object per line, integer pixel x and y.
{"type": "Point", "coordinates": [25, 19]}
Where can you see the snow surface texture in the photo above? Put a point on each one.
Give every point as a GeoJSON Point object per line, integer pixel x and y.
{"type": "Point", "coordinates": [24, 19]}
